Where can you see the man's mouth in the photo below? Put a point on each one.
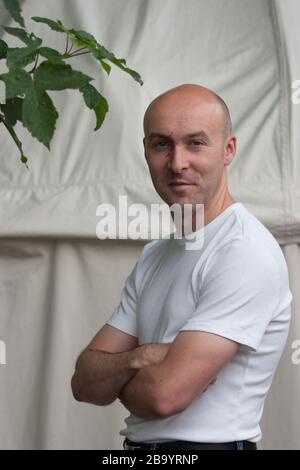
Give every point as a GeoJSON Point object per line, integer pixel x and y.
{"type": "Point", "coordinates": [179, 183]}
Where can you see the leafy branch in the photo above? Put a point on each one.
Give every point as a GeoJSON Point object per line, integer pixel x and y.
{"type": "Point", "coordinates": [27, 100]}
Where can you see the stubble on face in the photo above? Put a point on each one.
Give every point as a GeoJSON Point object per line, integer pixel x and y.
{"type": "Point", "coordinates": [174, 117]}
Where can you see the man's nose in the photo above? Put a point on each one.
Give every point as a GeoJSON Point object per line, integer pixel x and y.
{"type": "Point", "coordinates": [178, 160]}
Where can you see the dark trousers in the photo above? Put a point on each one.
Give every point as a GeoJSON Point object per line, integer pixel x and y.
{"type": "Point", "coordinates": [187, 445]}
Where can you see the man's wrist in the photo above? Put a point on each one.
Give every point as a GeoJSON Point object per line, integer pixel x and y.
{"type": "Point", "coordinates": [137, 358]}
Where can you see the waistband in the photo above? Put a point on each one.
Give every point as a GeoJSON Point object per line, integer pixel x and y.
{"type": "Point", "coordinates": [188, 445]}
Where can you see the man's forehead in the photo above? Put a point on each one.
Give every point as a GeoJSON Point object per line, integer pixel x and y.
{"type": "Point", "coordinates": [157, 134]}
{"type": "Point", "coordinates": [183, 119]}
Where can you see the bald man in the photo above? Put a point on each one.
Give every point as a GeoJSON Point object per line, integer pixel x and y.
{"type": "Point", "coordinates": [192, 348]}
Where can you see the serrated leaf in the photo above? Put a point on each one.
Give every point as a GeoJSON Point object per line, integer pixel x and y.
{"type": "Point", "coordinates": [29, 39]}
{"type": "Point", "coordinates": [12, 111]}
{"type": "Point", "coordinates": [102, 53]}
{"type": "Point", "coordinates": [39, 115]}
{"type": "Point", "coordinates": [15, 10]}
{"type": "Point", "coordinates": [17, 82]}
{"type": "Point", "coordinates": [136, 76]}
{"type": "Point", "coordinates": [54, 25]}
{"type": "Point", "coordinates": [52, 55]}
{"type": "Point", "coordinates": [18, 32]}
{"type": "Point", "coordinates": [94, 100]}
{"type": "Point", "coordinates": [82, 39]}
{"type": "Point", "coordinates": [3, 49]}
{"type": "Point", "coordinates": [20, 56]}
{"type": "Point", "coordinates": [50, 76]}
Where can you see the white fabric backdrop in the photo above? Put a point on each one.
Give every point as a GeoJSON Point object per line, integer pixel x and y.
{"type": "Point", "coordinates": [246, 50]}
{"type": "Point", "coordinates": [54, 296]}
{"type": "Point", "coordinates": [57, 288]}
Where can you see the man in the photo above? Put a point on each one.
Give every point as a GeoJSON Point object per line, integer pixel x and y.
{"type": "Point", "coordinates": [213, 319]}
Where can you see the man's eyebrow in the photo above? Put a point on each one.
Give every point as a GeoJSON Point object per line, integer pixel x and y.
{"type": "Point", "coordinates": [198, 134]}
{"type": "Point", "coordinates": [201, 133]}
{"type": "Point", "coordinates": [154, 135]}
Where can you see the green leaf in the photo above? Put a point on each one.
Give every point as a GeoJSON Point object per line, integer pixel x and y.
{"type": "Point", "coordinates": [105, 66]}
{"type": "Point", "coordinates": [20, 56]}
{"type": "Point", "coordinates": [39, 115]}
{"type": "Point", "coordinates": [17, 82]}
{"type": "Point", "coordinates": [54, 25]}
{"type": "Point", "coordinates": [3, 49]}
{"type": "Point", "coordinates": [51, 76]}
{"type": "Point", "coordinates": [52, 55]}
{"type": "Point", "coordinates": [14, 9]}
{"type": "Point", "coordinates": [101, 53]}
{"type": "Point", "coordinates": [82, 39]}
{"type": "Point", "coordinates": [16, 140]}
{"type": "Point", "coordinates": [29, 39]}
{"type": "Point", "coordinates": [136, 76]}
{"type": "Point", "coordinates": [12, 111]}
{"type": "Point", "coordinates": [94, 100]}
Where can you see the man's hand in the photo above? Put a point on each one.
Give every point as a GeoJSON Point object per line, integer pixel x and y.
{"type": "Point", "coordinates": [146, 355]}
{"type": "Point", "coordinates": [169, 387]}
{"type": "Point", "coordinates": [150, 353]}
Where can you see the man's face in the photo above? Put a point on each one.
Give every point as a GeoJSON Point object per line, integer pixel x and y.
{"type": "Point", "coordinates": [185, 148]}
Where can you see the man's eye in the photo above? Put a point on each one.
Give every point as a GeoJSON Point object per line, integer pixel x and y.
{"type": "Point", "coordinates": [161, 144]}
{"type": "Point", "coordinates": [196, 143]}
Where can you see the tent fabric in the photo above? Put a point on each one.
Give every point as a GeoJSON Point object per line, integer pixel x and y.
{"type": "Point", "coordinates": [245, 51]}
{"type": "Point", "coordinates": [58, 282]}
{"type": "Point", "coordinates": [76, 286]}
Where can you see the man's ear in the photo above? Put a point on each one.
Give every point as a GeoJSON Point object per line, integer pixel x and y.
{"type": "Point", "coordinates": [144, 143]}
{"type": "Point", "coordinates": [230, 149]}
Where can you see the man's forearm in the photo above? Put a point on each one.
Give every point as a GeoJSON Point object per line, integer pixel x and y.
{"type": "Point", "coordinates": [100, 376]}
{"type": "Point", "coordinates": [142, 394]}
{"type": "Point", "coordinates": [139, 397]}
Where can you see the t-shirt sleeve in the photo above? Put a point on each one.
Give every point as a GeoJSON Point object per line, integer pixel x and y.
{"type": "Point", "coordinates": [124, 316]}
{"type": "Point", "coordinates": [238, 294]}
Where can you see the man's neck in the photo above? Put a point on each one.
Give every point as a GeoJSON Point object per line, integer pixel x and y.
{"type": "Point", "coordinates": [215, 208]}
{"type": "Point", "coordinates": [211, 210]}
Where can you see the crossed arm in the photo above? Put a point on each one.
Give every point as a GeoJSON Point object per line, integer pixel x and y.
{"type": "Point", "coordinates": [108, 363]}
{"type": "Point", "coordinates": [153, 380]}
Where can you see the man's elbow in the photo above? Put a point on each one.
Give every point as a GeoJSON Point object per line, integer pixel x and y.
{"type": "Point", "coordinates": [76, 388]}
{"type": "Point", "coordinates": [166, 405]}
{"type": "Point", "coordinates": [84, 393]}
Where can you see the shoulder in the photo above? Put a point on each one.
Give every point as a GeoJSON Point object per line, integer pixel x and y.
{"type": "Point", "coordinates": [150, 255]}
{"type": "Point", "coordinates": [257, 241]}
{"type": "Point", "coordinates": [244, 233]}
{"type": "Point", "coordinates": [151, 249]}
{"type": "Point", "coordinates": [246, 247]}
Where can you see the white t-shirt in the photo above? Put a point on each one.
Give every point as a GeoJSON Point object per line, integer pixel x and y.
{"type": "Point", "coordinates": [236, 286]}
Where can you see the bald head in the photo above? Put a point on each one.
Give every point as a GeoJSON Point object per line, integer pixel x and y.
{"type": "Point", "coordinates": [190, 91]}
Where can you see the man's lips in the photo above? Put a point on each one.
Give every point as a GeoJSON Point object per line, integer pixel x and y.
{"type": "Point", "coordinates": [179, 183]}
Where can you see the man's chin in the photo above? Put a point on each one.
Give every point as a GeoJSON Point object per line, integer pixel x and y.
{"type": "Point", "coordinates": [181, 199]}
{"type": "Point", "coordinates": [181, 202]}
